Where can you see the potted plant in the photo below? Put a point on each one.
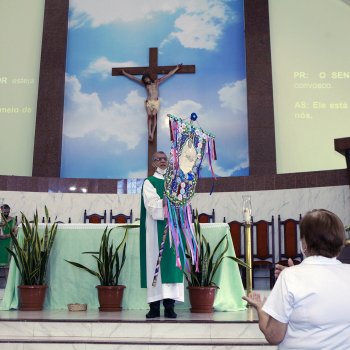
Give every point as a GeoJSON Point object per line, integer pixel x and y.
{"type": "Point", "coordinates": [110, 262]}
{"type": "Point", "coordinates": [201, 285]}
{"type": "Point", "coordinates": [31, 251]}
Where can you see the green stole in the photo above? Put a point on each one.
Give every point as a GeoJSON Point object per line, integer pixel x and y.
{"type": "Point", "coordinates": [169, 272]}
{"type": "Point", "coordinates": [5, 243]}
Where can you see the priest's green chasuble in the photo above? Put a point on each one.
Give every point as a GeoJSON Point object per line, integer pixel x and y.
{"type": "Point", "coordinates": [169, 272]}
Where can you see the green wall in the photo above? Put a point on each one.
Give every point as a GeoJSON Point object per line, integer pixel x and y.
{"type": "Point", "coordinates": [21, 24]}
{"type": "Point", "coordinates": [311, 82]}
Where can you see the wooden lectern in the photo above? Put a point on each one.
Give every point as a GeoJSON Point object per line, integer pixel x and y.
{"type": "Point", "coordinates": [343, 146]}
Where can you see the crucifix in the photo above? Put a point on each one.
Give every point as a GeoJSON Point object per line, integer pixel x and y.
{"type": "Point", "coordinates": [150, 81]}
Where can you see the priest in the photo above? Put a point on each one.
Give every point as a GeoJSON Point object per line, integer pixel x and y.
{"type": "Point", "coordinates": [169, 286]}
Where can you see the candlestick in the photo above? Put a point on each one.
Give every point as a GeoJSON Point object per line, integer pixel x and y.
{"type": "Point", "coordinates": [247, 216]}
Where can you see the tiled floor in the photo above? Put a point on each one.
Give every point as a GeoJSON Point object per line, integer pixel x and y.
{"type": "Point", "coordinates": [136, 316]}
{"type": "Point", "coordinates": [129, 329]}
{"type": "Point", "coordinates": [248, 315]}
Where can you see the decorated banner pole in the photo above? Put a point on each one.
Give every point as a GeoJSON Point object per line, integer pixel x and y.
{"type": "Point", "coordinates": [190, 145]}
{"type": "Point", "coordinates": [247, 216]}
{"type": "Point", "coordinates": [156, 272]}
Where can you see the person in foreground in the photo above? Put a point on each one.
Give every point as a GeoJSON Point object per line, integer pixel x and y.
{"type": "Point", "coordinates": [169, 286]}
{"type": "Point", "coordinates": [7, 224]}
{"type": "Point", "coordinates": [308, 307]}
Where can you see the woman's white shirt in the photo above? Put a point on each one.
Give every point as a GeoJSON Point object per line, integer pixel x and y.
{"type": "Point", "coordinates": [313, 298]}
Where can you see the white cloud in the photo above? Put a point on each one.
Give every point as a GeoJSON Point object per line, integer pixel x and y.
{"type": "Point", "coordinates": [104, 67]}
{"type": "Point", "coordinates": [234, 96]}
{"type": "Point", "coordinates": [222, 172]}
{"type": "Point", "coordinates": [139, 174]}
{"type": "Point", "coordinates": [195, 31]}
{"type": "Point", "coordinates": [102, 12]}
{"type": "Point", "coordinates": [199, 25]}
{"type": "Point", "coordinates": [218, 170]}
{"type": "Point", "coordinates": [181, 109]}
{"type": "Point", "coordinates": [85, 114]}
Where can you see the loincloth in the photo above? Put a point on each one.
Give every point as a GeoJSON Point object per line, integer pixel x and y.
{"type": "Point", "coordinates": [152, 105]}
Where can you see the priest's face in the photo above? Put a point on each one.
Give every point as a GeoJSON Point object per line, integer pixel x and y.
{"type": "Point", "coordinates": [160, 160]}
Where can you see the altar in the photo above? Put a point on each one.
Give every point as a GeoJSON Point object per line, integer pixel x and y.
{"type": "Point", "coordinates": [68, 284]}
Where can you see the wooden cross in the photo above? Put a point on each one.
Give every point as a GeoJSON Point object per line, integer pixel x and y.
{"type": "Point", "coordinates": [153, 70]}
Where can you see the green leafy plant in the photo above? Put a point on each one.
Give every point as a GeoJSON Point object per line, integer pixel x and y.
{"type": "Point", "coordinates": [209, 260]}
{"type": "Point", "coordinates": [31, 251]}
{"type": "Point", "coordinates": [110, 260]}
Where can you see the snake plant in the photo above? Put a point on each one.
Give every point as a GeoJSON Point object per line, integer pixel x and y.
{"type": "Point", "coordinates": [209, 260]}
{"type": "Point", "coordinates": [110, 260]}
{"type": "Point", "coordinates": [31, 250]}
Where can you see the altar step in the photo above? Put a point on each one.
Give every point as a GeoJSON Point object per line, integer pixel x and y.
{"type": "Point", "coordinates": [92, 330]}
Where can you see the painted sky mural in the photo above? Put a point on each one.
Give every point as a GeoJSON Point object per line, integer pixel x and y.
{"type": "Point", "coordinates": [105, 122]}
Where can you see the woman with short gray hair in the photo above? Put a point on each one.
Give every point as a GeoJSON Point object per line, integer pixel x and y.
{"type": "Point", "coordinates": [308, 307]}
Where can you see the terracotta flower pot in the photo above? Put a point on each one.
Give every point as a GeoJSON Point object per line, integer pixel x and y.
{"type": "Point", "coordinates": [202, 299]}
{"type": "Point", "coordinates": [110, 297]}
{"type": "Point", "coordinates": [31, 298]}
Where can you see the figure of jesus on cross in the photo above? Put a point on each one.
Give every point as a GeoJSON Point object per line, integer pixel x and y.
{"type": "Point", "coordinates": [152, 103]}
{"type": "Point", "coordinates": [151, 83]}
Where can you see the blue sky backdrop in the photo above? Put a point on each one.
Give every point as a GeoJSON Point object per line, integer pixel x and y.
{"type": "Point", "coordinates": [105, 122]}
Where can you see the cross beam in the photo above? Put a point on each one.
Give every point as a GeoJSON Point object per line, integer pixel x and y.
{"type": "Point", "coordinates": [153, 69]}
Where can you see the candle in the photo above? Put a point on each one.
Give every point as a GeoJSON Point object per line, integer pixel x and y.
{"type": "Point", "coordinates": [247, 209]}
{"type": "Point", "coordinates": [247, 215]}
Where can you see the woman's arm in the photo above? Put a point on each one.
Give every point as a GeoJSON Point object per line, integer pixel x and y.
{"type": "Point", "coordinates": [273, 330]}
